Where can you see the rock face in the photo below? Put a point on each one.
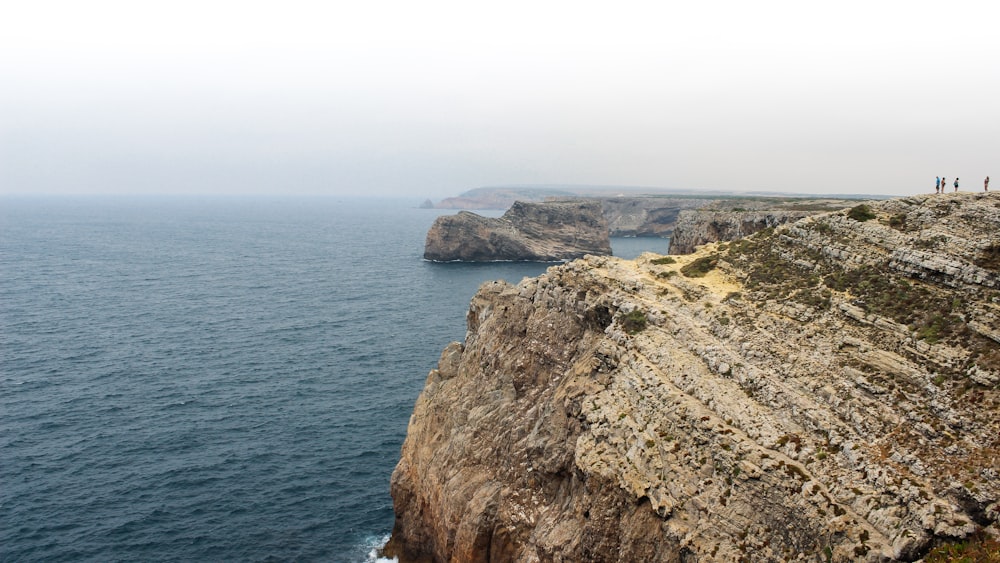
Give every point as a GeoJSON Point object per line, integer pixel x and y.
{"type": "Point", "coordinates": [646, 216]}
{"type": "Point", "coordinates": [723, 220]}
{"type": "Point", "coordinates": [826, 391]}
{"type": "Point", "coordinates": [694, 229]}
{"type": "Point", "coordinates": [540, 232]}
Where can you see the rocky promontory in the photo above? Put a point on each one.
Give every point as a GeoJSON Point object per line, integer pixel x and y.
{"type": "Point", "coordinates": [501, 197]}
{"type": "Point", "coordinates": [826, 390]}
{"type": "Point", "coordinates": [540, 232]}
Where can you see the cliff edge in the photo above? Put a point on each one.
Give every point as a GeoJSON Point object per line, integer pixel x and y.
{"type": "Point", "coordinates": [825, 390]}
{"type": "Point", "coordinates": [539, 232]}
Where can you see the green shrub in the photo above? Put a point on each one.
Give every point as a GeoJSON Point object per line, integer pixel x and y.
{"type": "Point", "coordinates": [977, 548]}
{"type": "Point", "coordinates": [634, 322]}
{"type": "Point", "coordinates": [822, 228]}
{"type": "Point", "coordinates": [701, 266]}
{"type": "Point", "coordinates": [663, 260]}
{"type": "Point", "coordinates": [861, 213]}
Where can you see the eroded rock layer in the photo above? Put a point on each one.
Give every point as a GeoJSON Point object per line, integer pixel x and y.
{"type": "Point", "coordinates": [646, 216]}
{"type": "Point", "coordinates": [731, 219]}
{"type": "Point", "coordinates": [542, 232]}
{"type": "Point", "coordinates": [825, 390]}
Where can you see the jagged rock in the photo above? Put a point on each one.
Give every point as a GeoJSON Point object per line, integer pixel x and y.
{"type": "Point", "coordinates": [542, 232]}
{"type": "Point", "coordinates": [802, 394]}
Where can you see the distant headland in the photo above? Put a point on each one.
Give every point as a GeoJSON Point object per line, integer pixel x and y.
{"type": "Point", "coordinates": [537, 232]}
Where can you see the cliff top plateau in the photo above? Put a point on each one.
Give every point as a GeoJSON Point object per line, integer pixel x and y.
{"type": "Point", "coordinates": [502, 197]}
{"type": "Point", "coordinates": [824, 390]}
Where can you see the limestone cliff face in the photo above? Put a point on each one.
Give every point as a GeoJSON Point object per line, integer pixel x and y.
{"type": "Point", "coordinates": [646, 216]}
{"type": "Point", "coordinates": [725, 220]}
{"type": "Point", "coordinates": [695, 228]}
{"type": "Point", "coordinates": [826, 390]}
{"type": "Point", "coordinates": [543, 232]}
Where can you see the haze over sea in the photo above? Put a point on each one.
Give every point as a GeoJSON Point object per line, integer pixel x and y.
{"type": "Point", "coordinates": [215, 379]}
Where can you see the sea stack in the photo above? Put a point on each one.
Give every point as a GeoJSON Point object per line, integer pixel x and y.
{"type": "Point", "coordinates": [538, 232]}
{"type": "Point", "coordinates": [826, 390]}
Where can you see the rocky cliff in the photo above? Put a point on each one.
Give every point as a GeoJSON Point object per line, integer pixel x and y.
{"type": "Point", "coordinates": [827, 390]}
{"type": "Point", "coordinates": [627, 216]}
{"type": "Point", "coordinates": [651, 216]}
{"type": "Point", "coordinates": [542, 232]}
{"type": "Point", "coordinates": [732, 219]}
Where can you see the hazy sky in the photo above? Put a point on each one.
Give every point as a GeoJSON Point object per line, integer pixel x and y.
{"type": "Point", "coordinates": [430, 98]}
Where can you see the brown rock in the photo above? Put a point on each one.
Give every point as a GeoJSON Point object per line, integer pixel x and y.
{"type": "Point", "coordinates": [822, 391]}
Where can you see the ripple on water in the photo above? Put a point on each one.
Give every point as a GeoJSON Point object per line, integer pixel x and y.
{"type": "Point", "coordinates": [199, 380]}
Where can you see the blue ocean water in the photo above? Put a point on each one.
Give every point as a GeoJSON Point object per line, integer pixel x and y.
{"type": "Point", "coordinates": [215, 379]}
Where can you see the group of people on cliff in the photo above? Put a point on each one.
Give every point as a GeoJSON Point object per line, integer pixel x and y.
{"type": "Point", "coordinates": [940, 184]}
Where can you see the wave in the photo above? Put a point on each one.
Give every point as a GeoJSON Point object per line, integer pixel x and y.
{"type": "Point", "coordinates": [374, 546]}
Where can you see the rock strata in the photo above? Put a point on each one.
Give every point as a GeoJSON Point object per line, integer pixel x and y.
{"type": "Point", "coordinates": [651, 216]}
{"type": "Point", "coordinates": [694, 229]}
{"type": "Point", "coordinates": [828, 390]}
{"type": "Point", "coordinates": [725, 220]}
{"type": "Point", "coordinates": [541, 232]}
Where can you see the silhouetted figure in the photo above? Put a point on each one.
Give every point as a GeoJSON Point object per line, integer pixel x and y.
{"type": "Point", "coordinates": [956, 183]}
{"type": "Point", "coordinates": [986, 184]}
{"type": "Point", "coordinates": [937, 185]}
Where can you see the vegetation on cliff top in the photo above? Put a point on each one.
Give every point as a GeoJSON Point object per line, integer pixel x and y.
{"type": "Point", "coordinates": [861, 213]}
{"type": "Point", "coordinates": [634, 322]}
{"type": "Point", "coordinates": [977, 549]}
{"type": "Point", "coordinates": [700, 266]}
{"type": "Point", "coordinates": [782, 268]}
{"type": "Point", "coordinates": [663, 260]}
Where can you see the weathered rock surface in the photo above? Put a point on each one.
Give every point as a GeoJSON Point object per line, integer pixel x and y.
{"type": "Point", "coordinates": [828, 390]}
{"type": "Point", "coordinates": [627, 216]}
{"type": "Point", "coordinates": [651, 216]}
{"type": "Point", "coordinates": [542, 232]}
{"type": "Point", "coordinates": [733, 219]}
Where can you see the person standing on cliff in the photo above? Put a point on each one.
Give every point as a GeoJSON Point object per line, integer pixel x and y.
{"type": "Point", "coordinates": [956, 183]}
{"type": "Point", "coordinates": [986, 184]}
{"type": "Point", "coordinates": [937, 185]}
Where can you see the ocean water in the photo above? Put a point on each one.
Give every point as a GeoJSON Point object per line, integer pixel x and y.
{"type": "Point", "coordinates": [189, 379]}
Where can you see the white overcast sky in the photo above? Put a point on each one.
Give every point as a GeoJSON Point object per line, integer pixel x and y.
{"type": "Point", "coordinates": [430, 98]}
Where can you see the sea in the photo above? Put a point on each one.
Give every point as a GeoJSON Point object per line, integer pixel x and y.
{"type": "Point", "coordinates": [216, 379]}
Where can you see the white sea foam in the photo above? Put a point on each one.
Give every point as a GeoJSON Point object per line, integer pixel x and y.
{"type": "Point", "coordinates": [376, 544]}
